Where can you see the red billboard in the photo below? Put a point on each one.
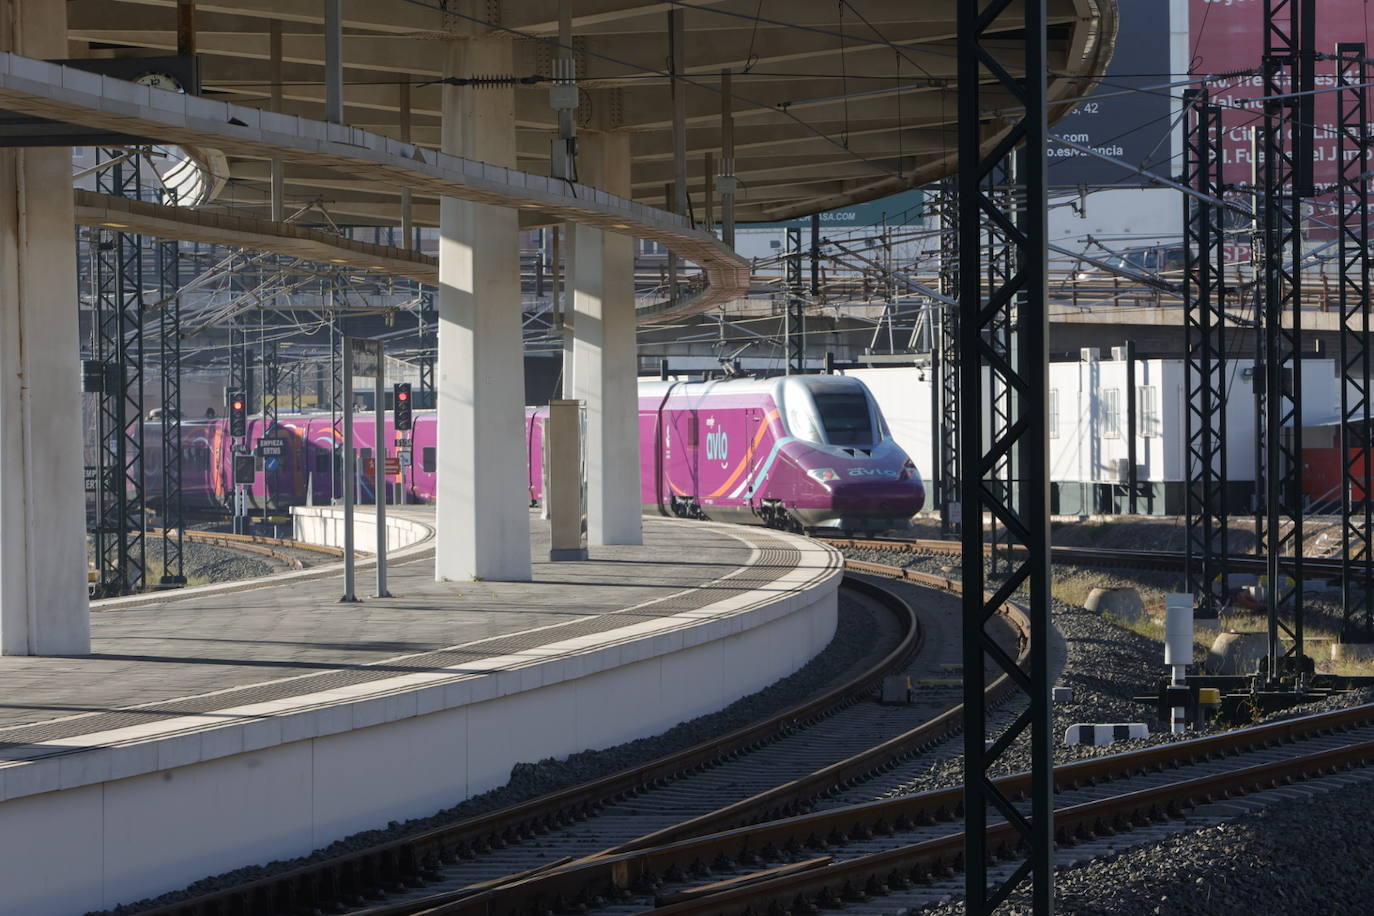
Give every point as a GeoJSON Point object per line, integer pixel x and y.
{"type": "Point", "coordinates": [1227, 39]}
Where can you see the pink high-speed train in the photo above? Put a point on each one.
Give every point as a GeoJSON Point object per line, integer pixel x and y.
{"type": "Point", "coordinates": [804, 452]}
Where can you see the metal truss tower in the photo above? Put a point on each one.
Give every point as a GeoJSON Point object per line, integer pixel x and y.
{"type": "Point", "coordinates": [271, 390]}
{"type": "Point", "coordinates": [1286, 175]}
{"type": "Point", "coordinates": [238, 382]}
{"type": "Point", "coordinates": [297, 377]}
{"type": "Point", "coordinates": [1353, 148]}
{"type": "Point", "coordinates": [947, 371]}
{"type": "Point", "coordinates": [169, 339]}
{"type": "Point", "coordinates": [429, 342]}
{"type": "Point", "coordinates": [1018, 301]}
{"type": "Point", "coordinates": [1204, 342]}
{"type": "Point", "coordinates": [271, 385]}
{"type": "Point", "coordinates": [336, 481]}
{"type": "Point", "coordinates": [999, 261]}
{"type": "Point", "coordinates": [796, 305]}
{"type": "Point", "coordinates": [120, 504]}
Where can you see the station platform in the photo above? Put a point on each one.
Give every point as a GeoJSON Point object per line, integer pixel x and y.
{"type": "Point", "coordinates": [236, 724]}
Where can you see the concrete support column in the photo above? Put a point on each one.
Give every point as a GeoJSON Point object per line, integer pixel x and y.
{"type": "Point", "coordinates": [43, 607]}
{"type": "Point", "coordinates": [483, 527]}
{"type": "Point", "coordinates": [601, 278]}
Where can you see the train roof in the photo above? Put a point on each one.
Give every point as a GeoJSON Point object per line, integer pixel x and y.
{"type": "Point", "coordinates": [750, 384]}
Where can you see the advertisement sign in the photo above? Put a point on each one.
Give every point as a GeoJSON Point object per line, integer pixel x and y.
{"type": "Point", "coordinates": [902, 209]}
{"type": "Point", "coordinates": [1228, 38]}
{"type": "Point", "coordinates": [1129, 125]}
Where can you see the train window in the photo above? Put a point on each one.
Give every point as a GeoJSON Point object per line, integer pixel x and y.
{"type": "Point", "coordinates": [196, 458]}
{"type": "Point", "coordinates": [692, 431]}
{"type": "Point", "coordinates": [322, 461]}
{"type": "Point", "coordinates": [1111, 413]}
{"type": "Point", "coordinates": [1147, 397]}
{"type": "Point", "coordinates": [427, 459]}
{"type": "Point", "coordinates": [846, 417]}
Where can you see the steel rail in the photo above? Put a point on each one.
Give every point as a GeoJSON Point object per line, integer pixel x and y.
{"type": "Point", "coordinates": [876, 874]}
{"type": "Point", "coordinates": [612, 870]}
{"type": "Point", "coordinates": [1087, 556]}
{"type": "Point", "coordinates": [728, 834]}
{"type": "Point", "coordinates": [576, 884]}
{"type": "Point", "coordinates": [251, 543]}
{"type": "Point", "coordinates": [355, 877]}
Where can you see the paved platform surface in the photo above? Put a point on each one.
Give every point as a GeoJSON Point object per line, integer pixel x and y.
{"type": "Point", "coordinates": [193, 655]}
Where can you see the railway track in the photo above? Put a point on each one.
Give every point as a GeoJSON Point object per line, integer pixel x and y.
{"type": "Point", "coordinates": [640, 839]}
{"type": "Point", "coordinates": [775, 766]}
{"type": "Point", "coordinates": [904, 852]}
{"type": "Point", "coordinates": [897, 853]}
{"type": "Point", "coordinates": [1087, 556]}
{"type": "Point", "coordinates": [252, 543]}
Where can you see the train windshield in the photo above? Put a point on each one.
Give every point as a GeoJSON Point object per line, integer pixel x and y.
{"type": "Point", "coordinates": [845, 416]}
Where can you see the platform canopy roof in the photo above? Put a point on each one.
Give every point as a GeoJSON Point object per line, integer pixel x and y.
{"type": "Point", "coordinates": [834, 101]}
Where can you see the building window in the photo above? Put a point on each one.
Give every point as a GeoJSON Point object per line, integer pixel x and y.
{"type": "Point", "coordinates": [1054, 413]}
{"type": "Point", "coordinates": [1147, 405]}
{"type": "Point", "coordinates": [1111, 413]}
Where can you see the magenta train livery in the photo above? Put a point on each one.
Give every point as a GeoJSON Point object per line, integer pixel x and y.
{"type": "Point", "coordinates": [801, 452]}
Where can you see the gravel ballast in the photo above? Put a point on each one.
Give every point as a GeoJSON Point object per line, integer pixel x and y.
{"type": "Point", "coordinates": [1259, 860]}
{"type": "Point", "coordinates": [1303, 857]}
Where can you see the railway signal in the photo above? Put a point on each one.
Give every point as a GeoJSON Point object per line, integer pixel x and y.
{"type": "Point", "coordinates": [400, 401]}
{"type": "Point", "coordinates": [238, 414]}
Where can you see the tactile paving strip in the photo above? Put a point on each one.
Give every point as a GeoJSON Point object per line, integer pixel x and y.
{"type": "Point", "coordinates": [771, 564]}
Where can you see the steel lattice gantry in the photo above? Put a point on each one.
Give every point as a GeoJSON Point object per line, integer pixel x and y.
{"type": "Point", "coordinates": [1352, 219]}
{"type": "Point", "coordinates": [999, 263]}
{"type": "Point", "coordinates": [336, 404]}
{"type": "Point", "coordinates": [119, 348]}
{"type": "Point", "coordinates": [428, 343]}
{"type": "Point", "coordinates": [1204, 315]}
{"type": "Point", "coordinates": [271, 393]}
{"type": "Point", "coordinates": [1018, 302]}
{"type": "Point", "coordinates": [1286, 177]}
{"type": "Point", "coordinates": [796, 305]}
{"type": "Point", "coordinates": [240, 378]}
{"type": "Point", "coordinates": [946, 376]}
{"type": "Point", "coordinates": [168, 254]}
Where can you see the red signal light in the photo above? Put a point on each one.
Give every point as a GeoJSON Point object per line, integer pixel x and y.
{"type": "Point", "coordinates": [403, 396]}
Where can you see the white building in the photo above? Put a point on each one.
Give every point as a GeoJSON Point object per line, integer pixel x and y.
{"type": "Point", "coordinates": [1089, 429]}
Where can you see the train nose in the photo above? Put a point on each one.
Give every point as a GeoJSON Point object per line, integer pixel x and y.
{"type": "Point", "coordinates": [891, 499]}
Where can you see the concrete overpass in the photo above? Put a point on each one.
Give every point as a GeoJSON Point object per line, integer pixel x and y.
{"type": "Point", "coordinates": [405, 112]}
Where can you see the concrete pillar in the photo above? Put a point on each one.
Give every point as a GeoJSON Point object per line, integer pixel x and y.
{"type": "Point", "coordinates": [563, 467]}
{"type": "Point", "coordinates": [483, 500]}
{"type": "Point", "coordinates": [601, 278]}
{"type": "Point", "coordinates": [43, 607]}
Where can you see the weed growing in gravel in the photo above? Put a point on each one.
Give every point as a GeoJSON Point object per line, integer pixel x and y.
{"type": "Point", "coordinates": [1356, 668]}
{"type": "Point", "coordinates": [155, 570]}
{"type": "Point", "coordinates": [1152, 628]}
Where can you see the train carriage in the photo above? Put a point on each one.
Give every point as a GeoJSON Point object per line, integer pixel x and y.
{"type": "Point", "coordinates": [800, 452]}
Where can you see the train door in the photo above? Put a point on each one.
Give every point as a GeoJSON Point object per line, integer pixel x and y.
{"type": "Point", "coordinates": [753, 423]}
{"type": "Point", "coordinates": [681, 445]}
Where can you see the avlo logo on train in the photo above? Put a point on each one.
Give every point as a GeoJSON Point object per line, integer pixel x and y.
{"type": "Point", "coordinates": [717, 446]}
